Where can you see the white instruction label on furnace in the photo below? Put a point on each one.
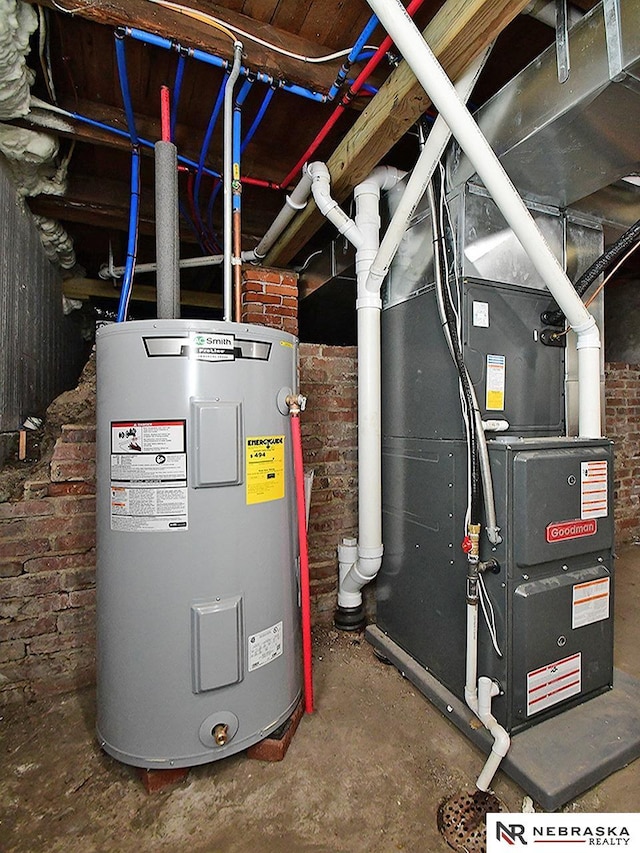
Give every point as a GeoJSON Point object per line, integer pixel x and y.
{"type": "Point", "coordinates": [495, 383]}
{"type": "Point", "coordinates": [265, 646]}
{"type": "Point", "coordinates": [593, 489]}
{"type": "Point", "coordinates": [209, 347]}
{"type": "Point", "coordinates": [148, 508]}
{"type": "Point", "coordinates": [553, 683]}
{"type": "Point", "coordinates": [590, 602]}
{"type": "Point", "coordinates": [481, 314]}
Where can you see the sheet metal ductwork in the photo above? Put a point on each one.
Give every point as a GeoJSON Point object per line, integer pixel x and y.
{"type": "Point", "coordinates": [587, 124]}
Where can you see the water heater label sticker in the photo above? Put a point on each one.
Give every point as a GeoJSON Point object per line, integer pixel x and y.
{"type": "Point", "coordinates": [208, 347]}
{"type": "Point", "coordinates": [495, 383]}
{"type": "Point", "coordinates": [593, 489]}
{"type": "Point", "coordinates": [147, 437]}
{"type": "Point", "coordinates": [265, 646]}
{"type": "Point", "coordinates": [481, 314]}
{"type": "Point", "coordinates": [553, 683]}
{"type": "Point", "coordinates": [590, 602]}
{"type": "Point", "coordinates": [149, 467]}
{"type": "Point", "coordinates": [149, 508]}
{"type": "Point", "coordinates": [265, 468]}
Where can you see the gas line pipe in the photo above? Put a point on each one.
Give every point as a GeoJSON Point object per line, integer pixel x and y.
{"type": "Point", "coordinates": [296, 404]}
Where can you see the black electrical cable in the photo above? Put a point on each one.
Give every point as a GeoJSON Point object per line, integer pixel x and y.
{"type": "Point", "coordinates": [598, 267]}
{"type": "Point", "coordinates": [450, 318]}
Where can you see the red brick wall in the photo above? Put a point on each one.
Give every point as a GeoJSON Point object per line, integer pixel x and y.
{"type": "Point", "coordinates": [329, 436]}
{"type": "Point", "coordinates": [47, 556]}
{"type": "Point", "coordinates": [47, 575]}
{"type": "Point", "coordinates": [270, 298]}
{"type": "Point", "coordinates": [622, 408]}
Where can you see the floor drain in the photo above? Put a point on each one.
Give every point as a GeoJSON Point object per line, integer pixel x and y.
{"type": "Point", "coordinates": [461, 820]}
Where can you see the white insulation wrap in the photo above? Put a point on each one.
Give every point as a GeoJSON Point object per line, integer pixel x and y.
{"type": "Point", "coordinates": [17, 22]}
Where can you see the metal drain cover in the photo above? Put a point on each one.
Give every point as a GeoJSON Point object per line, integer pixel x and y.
{"type": "Point", "coordinates": [461, 820]}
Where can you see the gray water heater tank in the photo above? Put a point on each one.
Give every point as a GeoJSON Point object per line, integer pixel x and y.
{"type": "Point", "coordinates": [197, 577]}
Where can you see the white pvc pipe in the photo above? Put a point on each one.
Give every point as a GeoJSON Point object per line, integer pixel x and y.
{"type": "Point", "coordinates": [471, 660]}
{"type": "Point", "coordinates": [227, 180]}
{"type": "Point", "coordinates": [487, 689]}
{"type": "Point", "coordinates": [435, 82]}
{"type": "Point", "coordinates": [107, 272]}
{"type": "Point", "coordinates": [364, 233]}
{"type": "Point", "coordinates": [295, 202]}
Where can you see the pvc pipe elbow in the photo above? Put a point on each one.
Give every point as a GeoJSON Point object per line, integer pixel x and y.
{"type": "Point", "coordinates": [363, 571]}
{"type": "Point", "coordinates": [588, 334]}
{"type": "Point", "coordinates": [381, 178]}
{"type": "Point", "coordinates": [502, 741]}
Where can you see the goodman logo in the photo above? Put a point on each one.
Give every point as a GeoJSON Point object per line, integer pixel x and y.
{"type": "Point", "coordinates": [566, 832]}
{"type": "Point", "coordinates": [560, 531]}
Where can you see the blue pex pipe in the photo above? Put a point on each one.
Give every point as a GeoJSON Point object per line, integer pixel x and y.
{"type": "Point", "coordinates": [256, 122]}
{"type": "Point", "coordinates": [205, 146]}
{"type": "Point", "coordinates": [124, 88]}
{"type": "Point", "coordinates": [236, 131]}
{"type": "Point", "coordinates": [362, 39]}
{"type": "Point", "coordinates": [132, 244]}
{"type": "Point", "coordinates": [210, 59]}
{"type": "Point", "coordinates": [145, 143]}
{"type": "Point", "coordinates": [175, 97]}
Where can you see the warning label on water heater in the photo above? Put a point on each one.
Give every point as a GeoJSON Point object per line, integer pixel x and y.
{"type": "Point", "coordinates": [265, 646]}
{"type": "Point", "coordinates": [148, 476]}
{"type": "Point", "coordinates": [265, 468]}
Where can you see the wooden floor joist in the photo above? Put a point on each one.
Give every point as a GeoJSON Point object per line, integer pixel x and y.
{"type": "Point", "coordinates": [85, 288]}
{"type": "Point", "coordinates": [456, 35]}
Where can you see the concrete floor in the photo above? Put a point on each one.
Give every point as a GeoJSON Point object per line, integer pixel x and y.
{"type": "Point", "coordinates": [366, 772]}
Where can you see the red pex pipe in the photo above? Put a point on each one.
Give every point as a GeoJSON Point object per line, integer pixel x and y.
{"type": "Point", "coordinates": [165, 114]}
{"type": "Point", "coordinates": [355, 87]}
{"type": "Point", "coordinates": [304, 563]}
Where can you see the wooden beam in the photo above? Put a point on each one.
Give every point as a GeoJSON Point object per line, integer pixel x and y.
{"type": "Point", "coordinates": [152, 18]}
{"type": "Point", "coordinates": [85, 288]}
{"type": "Point", "coordinates": [99, 202]}
{"type": "Point", "coordinates": [456, 34]}
{"type": "Point", "coordinates": [104, 203]}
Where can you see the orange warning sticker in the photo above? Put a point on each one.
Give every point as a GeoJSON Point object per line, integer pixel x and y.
{"type": "Point", "coordinates": [590, 602]}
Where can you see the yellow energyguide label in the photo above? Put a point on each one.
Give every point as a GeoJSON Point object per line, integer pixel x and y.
{"type": "Point", "coordinates": [265, 468]}
{"type": "Point", "coordinates": [286, 344]}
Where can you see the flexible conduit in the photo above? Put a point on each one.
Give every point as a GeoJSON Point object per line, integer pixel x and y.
{"type": "Point", "coordinates": [134, 207]}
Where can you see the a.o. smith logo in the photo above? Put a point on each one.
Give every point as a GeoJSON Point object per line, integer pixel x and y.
{"type": "Point", "coordinates": [560, 531]}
